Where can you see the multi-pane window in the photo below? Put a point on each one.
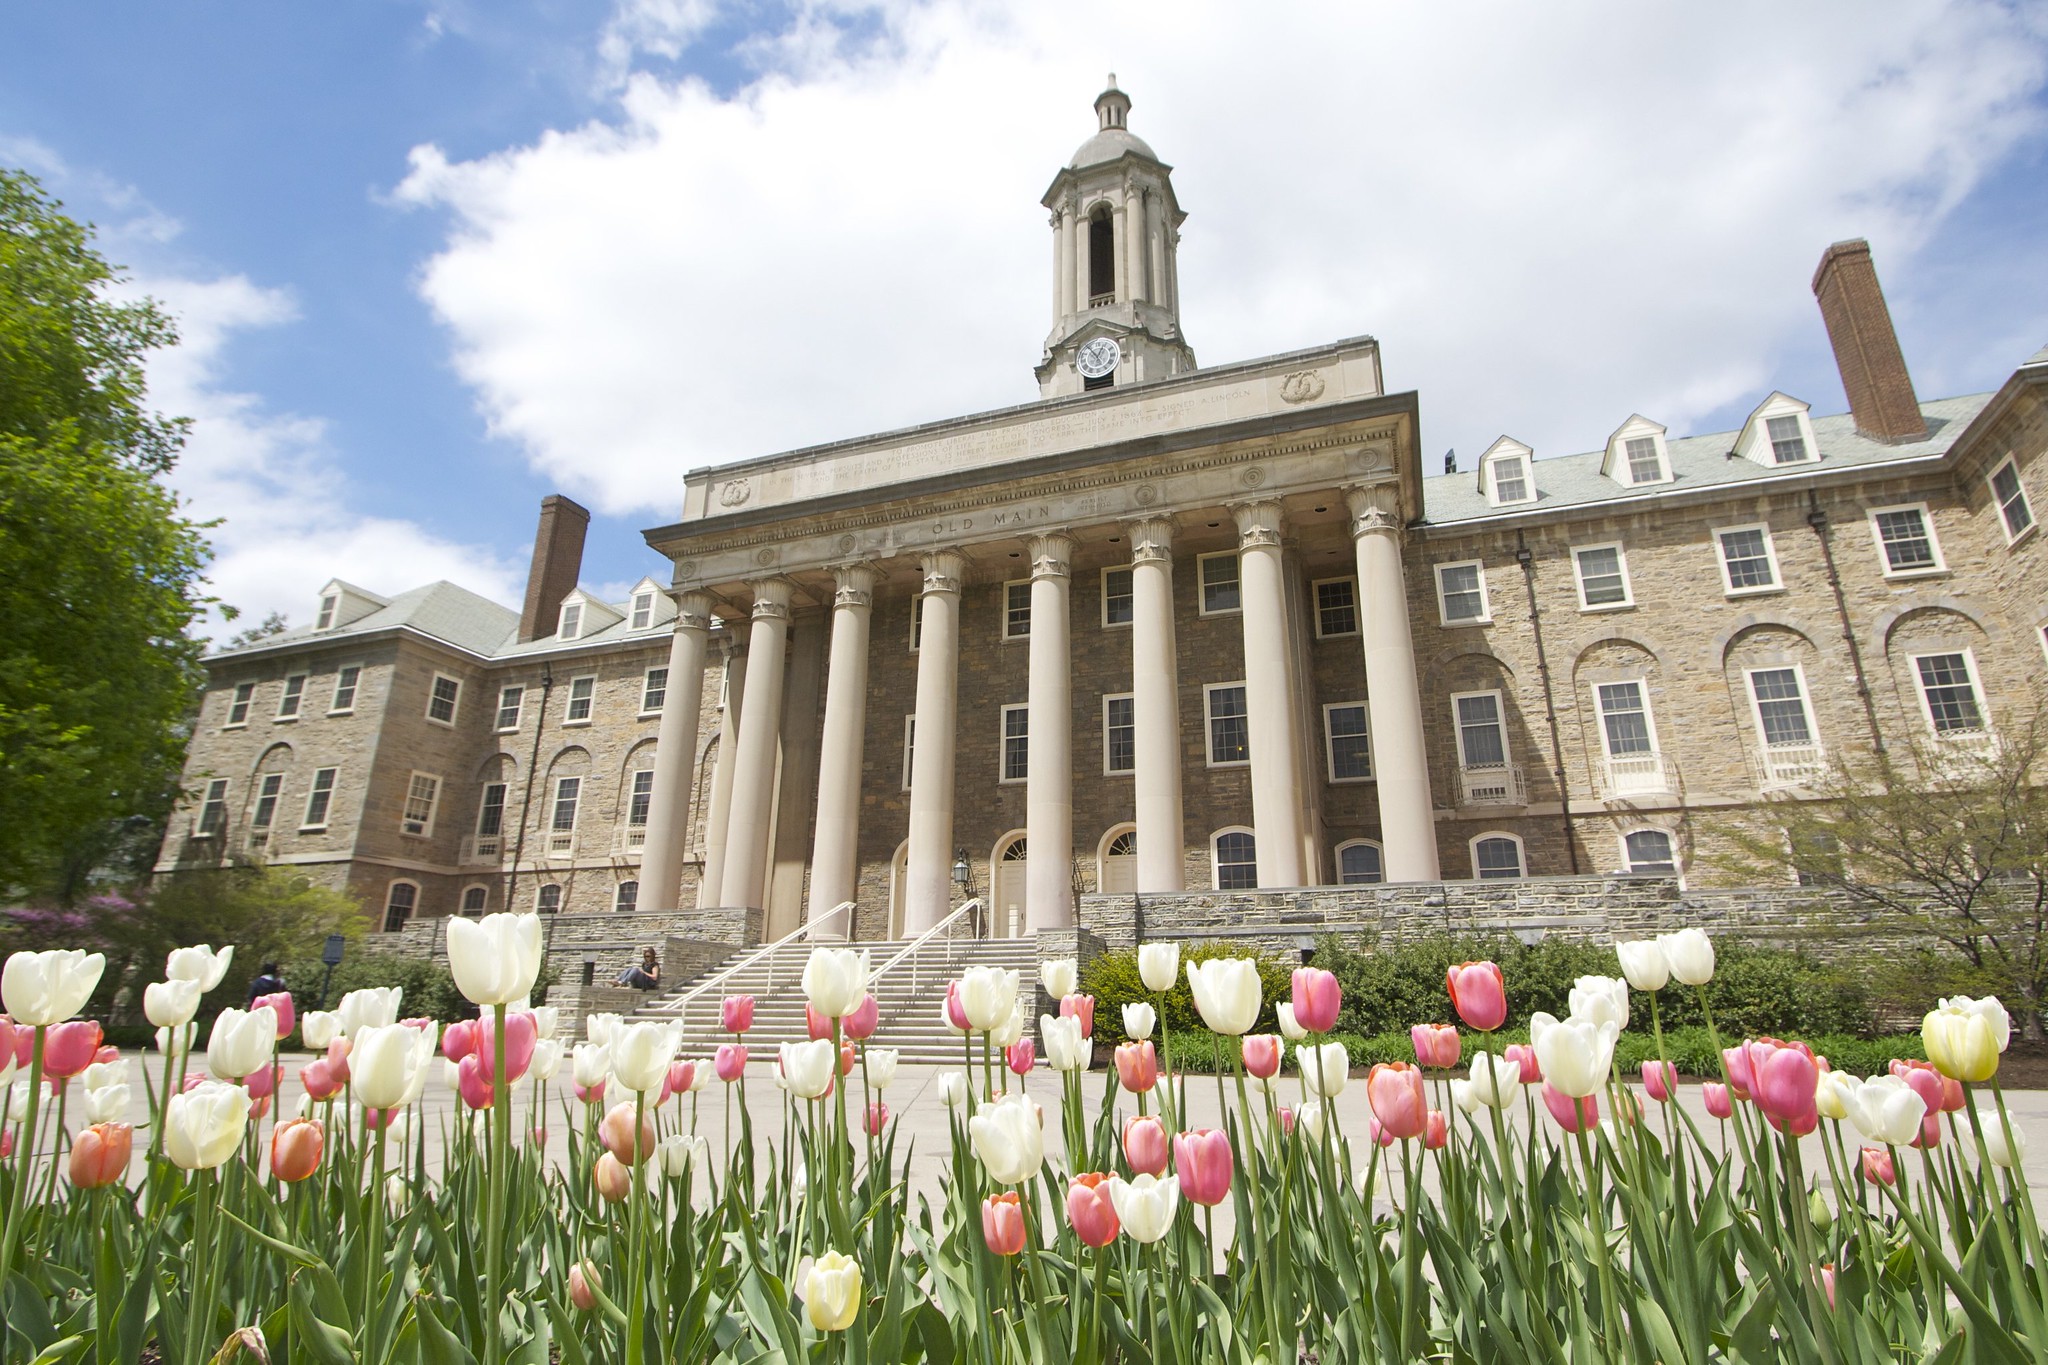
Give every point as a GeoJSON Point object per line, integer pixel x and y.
{"type": "Point", "coordinates": [548, 899]}
{"type": "Point", "coordinates": [582, 694]}
{"type": "Point", "coordinates": [294, 693]}
{"type": "Point", "coordinates": [1359, 863]}
{"type": "Point", "coordinates": [1788, 442]}
{"type": "Point", "coordinates": [1649, 850]}
{"type": "Point", "coordinates": [909, 747]}
{"type": "Point", "coordinates": [1336, 607]}
{"type": "Point", "coordinates": [1781, 706]}
{"type": "Point", "coordinates": [2012, 500]}
{"type": "Point", "coordinates": [1220, 591]}
{"type": "Point", "coordinates": [1643, 464]}
{"type": "Point", "coordinates": [1346, 742]}
{"type": "Point", "coordinates": [345, 689]}
{"type": "Point", "coordinates": [417, 816]}
{"type": "Point", "coordinates": [627, 898]}
{"type": "Point", "coordinates": [1510, 474]}
{"type": "Point", "coordinates": [643, 610]}
{"type": "Point", "coordinates": [653, 691]}
{"type": "Point", "coordinates": [266, 801]}
{"type": "Point", "coordinates": [1230, 736]}
{"type": "Point", "coordinates": [640, 798]}
{"type": "Point", "coordinates": [1461, 593]}
{"type": "Point", "coordinates": [1603, 576]}
{"type": "Point", "coordinates": [1118, 607]}
{"type": "Point", "coordinates": [319, 798]}
{"type": "Point", "coordinates": [399, 904]}
{"type": "Point", "coordinates": [1625, 719]}
{"type": "Point", "coordinates": [571, 624]}
{"type": "Point", "coordinates": [490, 811]}
{"type": "Point", "coordinates": [1907, 540]}
{"type": "Point", "coordinates": [1016, 743]}
{"type": "Point", "coordinates": [442, 700]}
{"type": "Point", "coordinates": [1748, 563]}
{"type": "Point", "coordinates": [213, 810]}
{"type": "Point", "coordinates": [1496, 856]}
{"type": "Point", "coordinates": [328, 606]}
{"type": "Point", "coordinates": [474, 899]}
{"type": "Point", "coordinates": [568, 794]}
{"type": "Point", "coordinates": [1481, 742]}
{"type": "Point", "coordinates": [1237, 860]}
{"type": "Point", "coordinates": [916, 622]}
{"type": "Point", "coordinates": [1950, 691]}
{"type": "Point", "coordinates": [510, 699]}
{"type": "Point", "coordinates": [1119, 734]}
{"type": "Point", "coordinates": [238, 709]}
{"type": "Point", "coordinates": [1016, 610]}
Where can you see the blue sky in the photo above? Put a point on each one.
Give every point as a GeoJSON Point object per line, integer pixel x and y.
{"type": "Point", "coordinates": [436, 260]}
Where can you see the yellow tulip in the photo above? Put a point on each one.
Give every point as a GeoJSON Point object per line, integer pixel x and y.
{"type": "Point", "coordinates": [832, 1293]}
{"type": "Point", "coordinates": [1960, 1044]}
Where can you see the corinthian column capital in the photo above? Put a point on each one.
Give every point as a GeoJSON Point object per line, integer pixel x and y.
{"type": "Point", "coordinates": [693, 610]}
{"type": "Point", "coordinates": [1051, 555]}
{"type": "Point", "coordinates": [1258, 522]}
{"type": "Point", "coordinates": [854, 584]}
{"type": "Point", "coordinates": [1373, 509]}
{"type": "Point", "coordinates": [771, 598]}
{"type": "Point", "coordinates": [1151, 539]}
{"type": "Point", "coordinates": [944, 570]}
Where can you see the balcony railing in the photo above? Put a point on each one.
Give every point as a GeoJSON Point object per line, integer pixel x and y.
{"type": "Point", "coordinates": [1628, 775]}
{"type": "Point", "coordinates": [1493, 784]}
{"type": "Point", "coordinates": [1101, 300]}
{"type": "Point", "coordinates": [561, 843]}
{"type": "Point", "coordinates": [486, 849]}
{"type": "Point", "coordinates": [1790, 765]}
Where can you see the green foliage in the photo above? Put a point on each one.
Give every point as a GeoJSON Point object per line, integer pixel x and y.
{"type": "Point", "coordinates": [430, 991]}
{"type": "Point", "coordinates": [1114, 982]}
{"type": "Point", "coordinates": [99, 575]}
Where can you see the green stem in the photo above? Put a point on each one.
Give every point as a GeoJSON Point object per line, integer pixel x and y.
{"type": "Point", "coordinates": [199, 1308]}
{"type": "Point", "coordinates": [494, 1193]}
{"type": "Point", "coordinates": [24, 1147]}
{"type": "Point", "coordinates": [635, 1235]}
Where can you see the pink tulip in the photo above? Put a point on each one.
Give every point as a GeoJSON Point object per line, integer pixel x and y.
{"type": "Point", "coordinates": [6, 1144]}
{"type": "Point", "coordinates": [107, 1056]}
{"type": "Point", "coordinates": [1394, 1089]}
{"type": "Point", "coordinates": [861, 1024]}
{"type": "Point", "coordinates": [69, 1048]}
{"type": "Point", "coordinates": [1317, 999]}
{"type": "Point", "coordinates": [317, 1079]}
{"type": "Point", "coordinates": [1261, 1052]}
{"type": "Point", "coordinates": [611, 1178]}
{"type": "Point", "coordinates": [956, 1013]}
{"type": "Point", "coordinates": [1930, 1132]}
{"type": "Point", "coordinates": [538, 1137]}
{"type": "Point", "coordinates": [295, 1148]}
{"type": "Point", "coordinates": [736, 1013]}
{"type": "Point", "coordinates": [1287, 1119]}
{"type": "Point", "coordinates": [1783, 1078]}
{"type": "Point", "coordinates": [1022, 1056]}
{"type": "Point", "coordinates": [1145, 1146]}
{"type": "Point", "coordinates": [378, 1118]}
{"type": "Point", "coordinates": [1203, 1161]}
{"type": "Point", "coordinates": [589, 1094]}
{"type": "Point", "coordinates": [615, 1131]}
{"type": "Point", "coordinates": [731, 1060]}
{"type": "Point", "coordinates": [262, 1081]}
{"type": "Point", "coordinates": [1798, 1125]}
{"type": "Point", "coordinates": [877, 1118]}
{"type": "Point", "coordinates": [582, 1276]}
{"type": "Point", "coordinates": [1949, 1098]}
{"type": "Point", "coordinates": [1524, 1056]}
{"type": "Point", "coordinates": [473, 1083]}
{"type": "Point", "coordinates": [337, 1059]}
{"type": "Point", "coordinates": [1080, 1007]}
{"type": "Point", "coordinates": [816, 1024]}
{"type": "Point", "coordinates": [1002, 1223]}
{"type": "Point", "coordinates": [258, 1107]}
{"type": "Point", "coordinates": [1436, 1045]}
{"type": "Point", "coordinates": [848, 1054]}
{"type": "Point", "coordinates": [99, 1155]}
{"type": "Point", "coordinates": [1877, 1166]}
{"type": "Point", "coordinates": [521, 1035]}
{"type": "Point", "coordinates": [11, 1040]}
{"type": "Point", "coordinates": [1090, 1210]}
{"type": "Point", "coordinates": [682, 1074]}
{"type": "Point", "coordinates": [1438, 1132]}
{"type": "Point", "coordinates": [287, 1011]}
{"type": "Point", "coordinates": [1660, 1080]}
{"type": "Point", "coordinates": [1736, 1060]}
{"type": "Point", "coordinates": [458, 1040]}
{"type": "Point", "coordinates": [195, 1080]}
{"type": "Point", "coordinates": [1479, 995]}
{"type": "Point", "coordinates": [1376, 1132]}
{"type": "Point", "coordinates": [1720, 1102]}
{"type": "Point", "coordinates": [1572, 1115]}
{"type": "Point", "coordinates": [1137, 1066]}
{"type": "Point", "coordinates": [1827, 1282]}
{"type": "Point", "coordinates": [419, 1023]}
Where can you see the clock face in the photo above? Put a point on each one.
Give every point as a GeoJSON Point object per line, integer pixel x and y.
{"type": "Point", "coordinates": [1097, 358]}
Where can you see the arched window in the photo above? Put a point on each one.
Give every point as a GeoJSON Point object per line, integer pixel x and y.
{"type": "Point", "coordinates": [400, 903]}
{"type": "Point", "coordinates": [1359, 862]}
{"type": "Point", "coordinates": [1235, 855]}
{"type": "Point", "coordinates": [1007, 887]}
{"type": "Point", "coordinates": [1116, 865]}
{"type": "Point", "coordinates": [1648, 850]}
{"type": "Point", "coordinates": [474, 899]}
{"type": "Point", "coordinates": [626, 898]}
{"type": "Point", "coordinates": [1101, 257]}
{"type": "Point", "coordinates": [1496, 856]}
{"type": "Point", "coordinates": [548, 899]}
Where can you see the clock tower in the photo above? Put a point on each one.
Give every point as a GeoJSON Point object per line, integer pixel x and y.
{"type": "Point", "coordinates": [1115, 286]}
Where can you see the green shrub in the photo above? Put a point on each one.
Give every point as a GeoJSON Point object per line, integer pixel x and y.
{"type": "Point", "coordinates": [1114, 982]}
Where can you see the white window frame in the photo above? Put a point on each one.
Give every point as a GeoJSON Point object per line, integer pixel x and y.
{"type": "Point", "coordinates": [916, 621]}
{"type": "Point", "coordinates": [334, 705]}
{"type": "Point", "coordinates": [462, 901]}
{"type": "Point", "coordinates": [642, 611]}
{"type": "Point", "coordinates": [518, 709]}
{"type": "Point", "coordinates": [412, 911]}
{"type": "Point", "coordinates": [623, 904]}
{"type": "Point", "coordinates": [1003, 738]}
{"type": "Point", "coordinates": [314, 792]}
{"type": "Point", "coordinates": [1628, 863]}
{"type": "Point", "coordinates": [297, 698]}
{"type": "Point", "coordinates": [269, 787]}
{"type": "Point", "coordinates": [1649, 716]}
{"type": "Point", "coordinates": [1337, 860]}
{"type": "Point", "coordinates": [1625, 467]}
{"type": "Point", "coordinates": [1492, 467]}
{"type": "Point", "coordinates": [215, 797]}
{"type": "Point", "coordinates": [1521, 854]}
{"type": "Point", "coordinates": [540, 895]}
{"type": "Point", "coordinates": [1485, 616]}
{"type": "Point", "coordinates": [240, 700]}
{"type": "Point", "coordinates": [1202, 584]}
{"type": "Point", "coordinates": [2019, 488]}
{"type": "Point", "coordinates": [1107, 570]}
{"type": "Point", "coordinates": [1969, 658]}
{"type": "Point", "coordinates": [483, 808]}
{"type": "Point", "coordinates": [1628, 592]}
{"type": "Point", "coordinates": [330, 607]}
{"type": "Point", "coordinates": [426, 830]}
{"type": "Point", "coordinates": [1209, 725]}
{"type": "Point", "coordinates": [1728, 588]}
{"type": "Point", "coordinates": [1009, 611]}
{"type": "Point", "coordinates": [569, 620]}
{"type": "Point", "coordinates": [569, 700]}
{"type": "Point", "coordinates": [1216, 862]}
{"type": "Point", "coordinates": [1132, 698]}
{"type": "Point", "coordinates": [554, 810]}
{"type": "Point", "coordinates": [1316, 606]}
{"type": "Point", "coordinates": [1330, 741]}
{"type": "Point", "coordinates": [1884, 559]}
{"type": "Point", "coordinates": [909, 746]}
{"type": "Point", "coordinates": [1756, 710]}
{"type": "Point", "coordinates": [647, 687]}
{"type": "Point", "coordinates": [434, 695]}
{"type": "Point", "coordinates": [634, 805]}
{"type": "Point", "coordinates": [1500, 720]}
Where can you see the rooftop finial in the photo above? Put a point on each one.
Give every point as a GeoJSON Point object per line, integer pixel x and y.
{"type": "Point", "coordinates": [1112, 105]}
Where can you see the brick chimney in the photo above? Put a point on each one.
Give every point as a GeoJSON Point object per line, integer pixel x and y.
{"type": "Point", "coordinates": [1881, 397]}
{"type": "Point", "coordinates": [557, 560]}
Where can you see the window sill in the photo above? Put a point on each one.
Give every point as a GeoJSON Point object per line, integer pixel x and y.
{"type": "Point", "coordinates": [1937, 571]}
{"type": "Point", "coordinates": [2020, 539]}
{"type": "Point", "coordinates": [644, 715]}
{"type": "Point", "coordinates": [1762, 590]}
{"type": "Point", "coordinates": [1116, 625]}
{"type": "Point", "coordinates": [312, 829]}
{"type": "Point", "coordinates": [282, 720]}
{"type": "Point", "coordinates": [344, 711]}
{"type": "Point", "coordinates": [436, 720]}
{"type": "Point", "coordinates": [1205, 613]}
{"type": "Point", "coordinates": [1337, 635]}
{"type": "Point", "coordinates": [1602, 608]}
{"type": "Point", "coordinates": [1119, 772]}
{"type": "Point", "coordinates": [575, 724]}
{"type": "Point", "coordinates": [236, 725]}
{"type": "Point", "coordinates": [1352, 781]}
{"type": "Point", "coordinates": [1448, 624]}
{"type": "Point", "coordinates": [1230, 763]}
{"type": "Point", "coordinates": [503, 730]}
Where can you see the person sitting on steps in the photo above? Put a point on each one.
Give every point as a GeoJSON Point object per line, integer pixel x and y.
{"type": "Point", "coordinates": [644, 977]}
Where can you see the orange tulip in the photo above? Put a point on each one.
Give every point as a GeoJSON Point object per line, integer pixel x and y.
{"type": "Point", "coordinates": [582, 1276]}
{"type": "Point", "coordinates": [295, 1148]}
{"type": "Point", "coordinates": [1002, 1223]}
{"type": "Point", "coordinates": [99, 1155]}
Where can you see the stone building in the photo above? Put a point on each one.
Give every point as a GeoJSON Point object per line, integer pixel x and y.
{"type": "Point", "coordinates": [1166, 628]}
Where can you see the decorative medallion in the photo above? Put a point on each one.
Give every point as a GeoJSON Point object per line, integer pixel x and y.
{"type": "Point", "coordinates": [1376, 460]}
{"type": "Point", "coordinates": [1145, 495]}
{"type": "Point", "coordinates": [1252, 477]}
{"type": "Point", "coordinates": [685, 568]}
{"type": "Point", "coordinates": [735, 492]}
{"type": "Point", "coordinates": [765, 555]}
{"type": "Point", "coordinates": [1303, 386]}
{"type": "Point", "coordinates": [846, 544]}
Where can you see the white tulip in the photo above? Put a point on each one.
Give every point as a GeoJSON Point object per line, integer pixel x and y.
{"type": "Point", "coordinates": [1308, 1119]}
{"type": "Point", "coordinates": [881, 1067]}
{"type": "Point", "coordinates": [1065, 1048]}
{"type": "Point", "coordinates": [1290, 1027]}
{"type": "Point", "coordinates": [385, 1061]}
{"type": "Point", "coordinates": [2002, 1153]}
{"type": "Point", "coordinates": [836, 980]}
{"type": "Point", "coordinates": [1835, 1093]}
{"type": "Point", "coordinates": [642, 1052]}
{"type": "Point", "coordinates": [6, 1075]}
{"type": "Point", "coordinates": [1226, 991]}
{"type": "Point", "coordinates": [242, 1042]}
{"type": "Point", "coordinates": [1990, 1010]}
{"type": "Point", "coordinates": [1369, 1182]}
{"type": "Point", "coordinates": [590, 1064]}
{"type": "Point", "coordinates": [1324, 1070]}
{"type": "Point", "coordinates": [678, 1152]}
{"type": "Point", "coordinates": [495, 959]}
{"type": "Point", "coordinates": [546, 1019]}
{"type": "Point", "coordinates": [1576, 1054]}
{"type": "Point", "coordinates": [1885, 1109]}
{"type": "Point", "coordinates": [318, 1028]}
{"type": "Point", "coordinates": [108, 1104]}
{"type": "Point", "coordinates": [1008, 1138]}
{"type": "Point", "coordinates": [100, 1075]}
{"type": "Point", "coordinates": [451, 1074]}
{"type": "Point", "coordinates": [1139, 1019]}
{"type": "Point", "coordinates": [547, 1059]}
{"type": "Point", "coordinates": [372, 1007]}
{"type": "Point", "coordinates": [704, 1071]}
{"type": "Point", "coordinates": [177, 1042]}
{"type": "Point", "coordinates": [1642, 962]}
{"type": "Point", "coordinates": [988, 997]}
{"type": "Point", "coordinates": [808, 1068]}
{"type": "Point", "coordinates": [203, 1126]}
{"type": "Point", "coordinates": [199, 963]}
{"type": "Point", "coordinates": [1464, 1096]}
{"type": "Point", "coordinates": [1011, 1029]}
{"type": "Point", "coordinates": [41, 989]}
{"type": "Point", "coordinates": [1145, 1207]}
{"type": "Point", "coordinates": [953, 1088]}
{"type": "Point", "coordinates": [167, 1004]}
{"type": "Point", "coordinates": [1600, 1000]}
{"type": "Point", "coordinates": [599, 1028]}
{"type": "Point", "coordinates": [1690, 954]}
{"type": "Point", "coordinates": [1495, 1082]}
{"type": "Point", "coordinates": [1159, 966]}
{"type": "Point", "coordinates": [1061, 976]}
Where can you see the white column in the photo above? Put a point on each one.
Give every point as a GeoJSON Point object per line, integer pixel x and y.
{"type": "Point", "coordinates": [1135, 233]}
{"type": "Point", "coordinates": [1155, 227]}
{"type": "Point", "coordinates": [1083, 238]}
{"type": "Point", "coordinates": [675, 757]}
{"type": "Point", "coordinates": [1269, 695]}
{"type": "Point", "coordinates": [719, 818]}
{"type": "Point", "coordinates": [1049, 773]}
{"type": "Point", "coordinates": [1400, 763]}
{"type": "Point", "coordinates": [745, 882]}
{"type": "Point", "coordinates": [1119, 239]}
{"type": "Point", "coordinates": [930, 870]}
{"type": "Point", "coordinates": [1068, 270]}
{"type": "Point", "coordinates": [1155, 707]}
{"type": "Point", "coordinates": [835, 856]}
{"type": "Point", "coordinates": [1060, 273]}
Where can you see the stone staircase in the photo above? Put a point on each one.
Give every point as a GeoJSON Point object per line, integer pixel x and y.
{"type": "Point", "coordinates": [910, 1001]}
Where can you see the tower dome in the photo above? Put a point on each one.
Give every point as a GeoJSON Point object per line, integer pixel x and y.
{"type": "Point", "coordinates": [1112, 139]}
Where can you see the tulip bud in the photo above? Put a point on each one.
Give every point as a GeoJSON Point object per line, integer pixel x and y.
{"type": "Point", "coordinates": [953, 1088]}
{"type": "Point", "coordinates": [283, 1008]}
{"type": "Point", "coordinates": [611, 1178]}
{"type": "Point", "coordinates": [1139, 1019]}
{"type": "Point", "coordinates": [951, 1012]}
{"type": "Point", "coordinates": [847, 1057]}
{"type": "Point", "coordinates": [988, 997]}
{"type": "Point", "coordinates": [1717, 1099]}
{"type": "Point", "coordinates": [1524, 1058]}
{"type": "Point", "coordinates": [1145, 1206]}
{"type": "Point", "coordinates": [1203, 1161]}
{"type": "Point", "coordinates": [1822, 1213]}
{"type": "Point", "coordinates": [1009, 1140]}
{"type": "Point", "coordinates": [1877, 1166]}
{"type": "Point", "coordinates": [1287, 1119]}
{"type": "Point", "coordinates": [881, 1066]}
{"type": "Point", "coordinates": [99, 1155]}
{"type": "Point", "coordinates": [2002, 1152]}
{"type": "Point", "coordinates": [1159, 966]}
{"type": "Point", "coordinates": [170, 1004]}
{"type": "Point", "coordinates": [1325, 1070]}
{"type": "Point", "coordinates": [1060, 977]}
{"type": "Point", "coordinates": [1261, 1054]}
{"type": "Point", "coordinates": [1438, 1131]}
{"type": "Point", "coordinates": [1660, 1081]}
{"type": "Point", "coordinates": [1643, 964]}
{"type": "Point", "coordinates": [1394, 1089]}
{"type": "Point", "coordinates": [1494, 1081]}
{"type": "Point", "coordinates": [1082, 1008]}
{"type": "Point", "coordinates": [1600, 1000]}
{"type": "Point", "coordinates": [877, 1118]}
{"type": "Point", "coordinates": [1002, 1223]}
{"type": "Point", "coordinates": [816, 1025]}
{"type": "Point", "coordinates": [861, 1024]}
{"type": "Point", "coordinates": [730, 1061]}
{"type": "Point", "coordinates": [46, 988]}
{"type": "Point", "coordinates": [1575, 1054]}
{"type": "Point", "coordinates": [582, 1279]}
{"type": "Point", "coordinates": [616, 1130]}
{"type": "Point", "coordinates": [1962, 1041]}
{"type": "Point", "coordinates": [1574, 1114]}
{"type": "Point", "coordinates": [1091, 1212]}
{"type": "Point", "coordinates": [835, 980]}
{"type": "Point", "coordinates": [1478, 994]}
{"type": "Point", "coordinates": [807, 1067]}
{"type": "Point", "coordinates": [736, 1013]}
{"type": "Point", "coordinates": [1317, 999]}
{"type": "Point", "coordinates": [199, 963]}
{"type": "Point", "coordinates": [1436, 1045]}
{"type": "Point", "coordinates": [832, 1292]}
{"type": "Point", "coordinates": [1227, 993]}
{"type": "Point", "coordinates": [1690, 955]}
{"type": "Point", "coordinates": [107, 1104]}
{"type": "Point", "coordinates": [1827, 1279]}
{"type": "Point", "coordinates": [1145, 1146]}
{"type": "Point", "coordinates": [496, 959]}
{"type": "Point", "coordinates": [1010, 1029]}
{"type": "Point", "coordinates": [204, 1125]}
{"type": "Point", "coordinates": [295, 1149]}
{"type": "Point", "coordinates": [69, 1048]}
{"type": "Point", "coordinates": [1066, 1047]}
{"type": "Point", "coordinates": [1783, 1079]}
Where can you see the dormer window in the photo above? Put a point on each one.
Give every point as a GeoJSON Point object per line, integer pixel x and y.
{"type": "Point", "coordinates": [1788, 443]}
{"type": "Point", "coordinates": [1504, 473]}
{"type": "Point", "coordinates": [1778, 433]}
{"type": "Point", "coordinates": [643, 610]}
{"type": "Point", "coordinates": [1643, 464]}
{"type": "Point", "coordinates": [572, 621]}
{"type": "Point", "coordinates": [328, 606]}
{"type": "Point", "coordinates": [1510, 479]}
{"type": "Point", "coordinates": [1636, 454]}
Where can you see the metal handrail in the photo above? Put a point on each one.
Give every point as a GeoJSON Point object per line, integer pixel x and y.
{"type": "Point", "coordinates": [911, 949]}
{"type": "Point", "coordinates": [680, 1006]}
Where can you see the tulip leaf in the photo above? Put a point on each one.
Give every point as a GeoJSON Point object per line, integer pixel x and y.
{"type": "Point", "coordinates": [329, 1344]}
{"type": "Point", "coordinates": [59, 1351]}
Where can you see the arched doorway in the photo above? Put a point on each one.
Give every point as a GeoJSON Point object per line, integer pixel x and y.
{"type": "Point", "coordinates": [1006, 887]}
{"type": "Point", "coordinates": [1116, 862]}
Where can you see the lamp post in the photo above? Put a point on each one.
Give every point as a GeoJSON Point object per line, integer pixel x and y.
{"type": "Point", "coordinates": [963, 877]}
{"type": "Point", "coordinates": [330, 957]}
